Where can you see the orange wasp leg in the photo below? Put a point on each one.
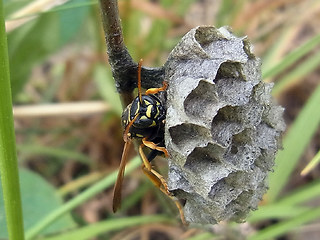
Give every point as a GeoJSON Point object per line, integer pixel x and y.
{"type": "Point", "coordinates": [156, 90]}
{"type": "Point", "coordinates": [152, 145]}
{"type": "Point", "coordinates": [156, 178]}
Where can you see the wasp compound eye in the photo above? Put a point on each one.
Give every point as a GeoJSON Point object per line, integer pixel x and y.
{"type": "Point", "coordinates": [222, 127]}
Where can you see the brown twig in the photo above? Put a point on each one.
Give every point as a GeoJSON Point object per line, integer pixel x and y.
{"type": "Point", "coordinates": [124, 69]}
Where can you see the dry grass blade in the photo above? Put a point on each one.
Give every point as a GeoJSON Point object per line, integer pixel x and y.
{"type": "Point", "coordinates": [156, 11]}
{"type": "Point", "coordinates": [313, 163]}
{"type": "Point", "coordinates": [61, 109]}
{"type": "Point", "coordinates": [28, 12]}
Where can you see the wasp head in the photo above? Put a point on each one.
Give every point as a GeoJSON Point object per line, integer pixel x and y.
{"type": "Point", "coordinates": [144, 116]}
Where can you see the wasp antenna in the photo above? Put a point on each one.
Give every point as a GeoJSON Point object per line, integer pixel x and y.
{"type": "Point", "coordinates": [139, 80]}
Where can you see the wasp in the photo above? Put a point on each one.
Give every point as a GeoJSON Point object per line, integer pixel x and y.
{"type": "Point", "coordinates": [144, 119]}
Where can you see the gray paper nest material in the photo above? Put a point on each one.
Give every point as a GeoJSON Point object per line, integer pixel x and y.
{"type": "Point", "coordinates": [222, 127]}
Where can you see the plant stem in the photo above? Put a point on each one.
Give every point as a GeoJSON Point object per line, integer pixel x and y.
{"type": "Point", "coordinates": [8, 158]}
{"type": "Point", "coordinates": [124, 69]}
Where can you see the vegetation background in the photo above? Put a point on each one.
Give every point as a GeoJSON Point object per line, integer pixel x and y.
{"type": "Point", "coordinates": [67, 116]}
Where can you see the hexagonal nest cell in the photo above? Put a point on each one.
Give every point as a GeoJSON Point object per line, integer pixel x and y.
{"type": "Point", "coordinates": [222, 127]}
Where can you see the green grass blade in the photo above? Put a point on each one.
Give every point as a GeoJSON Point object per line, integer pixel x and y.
{"type": "Point", "coordinates": [203, 236]}
{"type": "Point", "coordinates": [76, 201]}
{"type": "Point", "coordinates": [292, 57]}
{"type": "Point", "coordinates": [286, 226]}
{"type": "Point", "coordinates": [297, 74]}
{"type": "Point", "coordinates": [53, 152]}
{"type": "Point", "coordinates": [8, 157]}
{"type": "Point", "coordinates": [294, 144]}
{"type": "Point", "coordinates": [302, 195]}
{"type": "Point", "coordinates": [93, 230]}
{"type": "Point", "coordinates": [276, 211]}
{"type": "Point", "coordinates": [288, 207]}
{"type": "Point", "coordinates": [105, 83]}
{"type": "Point", "coordinates": [269, 56]}
{"type": "Point", "coordinates": [135, 197]}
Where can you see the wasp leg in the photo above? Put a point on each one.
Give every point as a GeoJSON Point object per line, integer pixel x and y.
{"type": "Point", "coordinates": [154, 146]}
{"type": "Point", "coordinates": [156, 90]}
{"type": "Point", "coordinates": [158, 180]}
{"type": "Point", "coordinates": [162, 185]}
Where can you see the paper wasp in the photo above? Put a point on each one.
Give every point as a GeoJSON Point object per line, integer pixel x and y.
{"type": "Point", "coordinates": [144, 118]}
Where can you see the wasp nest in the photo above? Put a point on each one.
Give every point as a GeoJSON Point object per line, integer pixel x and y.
{"type": "Point", "coordinates": [222, 127]}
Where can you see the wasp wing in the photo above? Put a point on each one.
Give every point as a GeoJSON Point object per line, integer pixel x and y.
{"type": "Point", "coordinates": [118, 185]}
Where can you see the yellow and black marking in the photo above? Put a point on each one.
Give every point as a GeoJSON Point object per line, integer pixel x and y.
{"type": "Point", "coordinates": [151, 115]}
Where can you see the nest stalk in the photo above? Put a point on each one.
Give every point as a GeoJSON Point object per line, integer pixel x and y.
{"type": "Point", "coordinates": [124, 69]}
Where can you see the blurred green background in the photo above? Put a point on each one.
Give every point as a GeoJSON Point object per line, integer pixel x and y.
{"type": "Point", "coordinates": [67, 115]}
